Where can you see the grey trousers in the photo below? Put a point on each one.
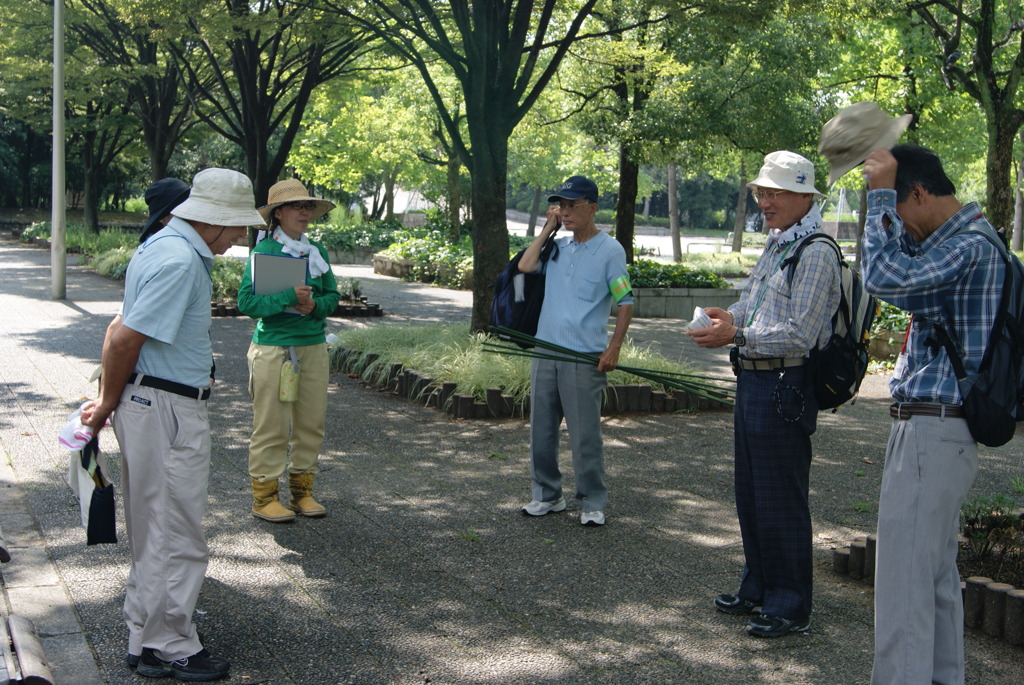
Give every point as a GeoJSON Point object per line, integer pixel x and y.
{"type": "Point", "coordinates": [572, 391]}
{"type": "Point", "coordinates": [165, 450]}
{"type": "Point", "coordinates": [930, 465]}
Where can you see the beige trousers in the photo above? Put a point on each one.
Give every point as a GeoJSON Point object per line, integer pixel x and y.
{"type": "Point", "coordinates": [165, 451]}
{"type": "Point", "coordinates": [283, 430]}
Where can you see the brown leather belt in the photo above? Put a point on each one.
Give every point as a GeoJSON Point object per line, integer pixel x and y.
{"type": "Point", "coordinates": [771, 364]}
{"type": "Point", "coordinates": [905, 411]}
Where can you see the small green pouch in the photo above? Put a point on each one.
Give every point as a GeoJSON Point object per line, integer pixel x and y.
{"type": "Point", "coordinates": [289, 378]}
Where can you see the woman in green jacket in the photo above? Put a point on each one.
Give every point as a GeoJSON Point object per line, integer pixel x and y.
{"type": "Point", "coordinates": [288, 411]}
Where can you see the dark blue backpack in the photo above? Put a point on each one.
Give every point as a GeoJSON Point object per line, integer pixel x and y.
{"type": "Point", "coordinates": [839, 367]}
{"type": "Point", "coordinates": [518, 296]}
{"type": "Point", "coordinates": [994, 396]}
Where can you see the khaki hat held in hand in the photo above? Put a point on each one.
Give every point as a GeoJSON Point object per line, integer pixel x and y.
{"type": "Point", "coordinates": [852, 134]}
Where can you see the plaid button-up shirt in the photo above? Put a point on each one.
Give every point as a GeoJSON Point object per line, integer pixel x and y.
{"type": "Point", "coordinates": [953, 279]}
{"type": "Point", "coordinates": [788, 312]}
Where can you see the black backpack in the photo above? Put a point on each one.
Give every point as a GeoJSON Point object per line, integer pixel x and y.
{"type": "Point", "coordinates": [839, 367]}
{"type": "Point", "coordinates": [518, 296]}
{"type": "Point", "coordinates": [994, 397]}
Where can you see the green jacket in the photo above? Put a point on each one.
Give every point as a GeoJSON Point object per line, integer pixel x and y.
{"type": "Point", "coordinates": [275, 327]}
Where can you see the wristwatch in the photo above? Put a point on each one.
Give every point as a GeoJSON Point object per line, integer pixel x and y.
{"type": "Point", "coordinates": [739, 340]}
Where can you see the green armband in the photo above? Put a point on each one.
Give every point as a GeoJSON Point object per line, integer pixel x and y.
{"type": "Point", "coordinates": [620, 287]}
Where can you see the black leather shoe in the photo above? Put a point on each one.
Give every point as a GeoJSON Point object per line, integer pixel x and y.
{"type": "Point", "coordinates": [201, 666]}
{"type": "Point", "coordinates": [731, 604]}
{"type": "Point", "coordinates": [766, 625]}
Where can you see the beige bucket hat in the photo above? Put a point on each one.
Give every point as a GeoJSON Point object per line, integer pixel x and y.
{"type": "Point", "coordinates": [852, 134]}
{"type": "Point", "coordinates": [784, 170]}
{"type": "Point", "coordinates": [220, 197]}
{"type": "Point", "coordinates": [292, 190]}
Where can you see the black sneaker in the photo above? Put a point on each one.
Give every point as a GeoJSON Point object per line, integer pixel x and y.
{"type": "Point", "coordinates": [132, 660]}
{"type": "Point", "coordinates": [767, 625]}
{"type": "Point", "coordinates": [735, 605]}
{"type": "Point", "coordinates": [200, 666]}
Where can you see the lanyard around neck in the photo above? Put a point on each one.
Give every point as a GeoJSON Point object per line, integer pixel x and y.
{"type": "Point", "coordinates": [764, 284]}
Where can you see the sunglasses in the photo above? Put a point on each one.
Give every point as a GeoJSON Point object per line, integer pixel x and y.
{"type": "Point", "coordinates": [307, 206]}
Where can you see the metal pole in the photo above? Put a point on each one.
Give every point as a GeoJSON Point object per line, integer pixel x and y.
{"type": "Point", "coordinates": [58, 242]}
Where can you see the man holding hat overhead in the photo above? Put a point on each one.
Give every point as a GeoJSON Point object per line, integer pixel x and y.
{"type": "Point", "coordinates": [583, 277]}
{"type": "Point", "coordinates": [925, 253]}
{"type": "Point", "coordinates": [783, 313]}
{"type": "Point", "coordinates": [154, 386]}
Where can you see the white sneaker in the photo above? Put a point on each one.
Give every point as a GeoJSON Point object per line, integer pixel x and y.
{"type": "Point", "coordinates": [592, 518]}
{"type": "Point", "coordinates": [536, 508]}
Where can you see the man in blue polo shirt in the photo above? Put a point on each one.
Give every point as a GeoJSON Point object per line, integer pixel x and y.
{"type": "Point", "coordinates": [157, 360]}
{"type": "Point", "coordinates": [583, 277]}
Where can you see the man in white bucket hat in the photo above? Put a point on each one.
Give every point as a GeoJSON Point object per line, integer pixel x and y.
{"type": "Point", "coordinates": [783, 313]}
{"type": "Point", "coordinates": [157, 368]}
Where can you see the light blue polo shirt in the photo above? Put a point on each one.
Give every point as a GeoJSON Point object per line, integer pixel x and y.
{"type": "Point", "coordinates": [577, 293]}
{"type": "Point", "coordinates": [167, 291]}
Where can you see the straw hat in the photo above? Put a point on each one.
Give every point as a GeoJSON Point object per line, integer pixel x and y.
{"type": "Point", "coordinates": [852, 134]}
{"type": "Point", "coordinates": [161, 198]}
{"type": "Point", "coordinates": [220, 197]}
{"type": "Point", "coordinates": [784, 170]}
{"type": "Point", "coordinates": [292, 190]}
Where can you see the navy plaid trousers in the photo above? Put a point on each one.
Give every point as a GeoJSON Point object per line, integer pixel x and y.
{"type": "Point", "coordinates": [774, 419]}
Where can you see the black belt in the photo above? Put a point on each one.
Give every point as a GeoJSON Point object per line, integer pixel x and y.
{"type": "Point", "coordinates": [905, 411]}
{"type": "Point", "coordinates": [171, 386]}
{"type": "Point", "coordinates": [771, 363]}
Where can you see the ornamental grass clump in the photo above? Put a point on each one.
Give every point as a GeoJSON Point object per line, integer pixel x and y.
{"type": "Point", "coordinates": [450, 353]}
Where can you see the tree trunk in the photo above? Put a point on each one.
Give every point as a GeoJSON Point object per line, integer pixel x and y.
{"type": "Point", "coordinates": [673, 215]}
{"type": "Point", "coordinates": [531, 227]}
{"type": "Point", "coordinates": [90, 200]}
{"type": "Point", "coordinates": [647, 208]}
{"type": "Point", "coordinates": [625, 209]}
{"type": "Point", "coordinates": [28, 198]}
{"type": "Point", "coordinates": [454, 198]}
{"type": "Point", "coordinates": [90, 182]}
{"type": "Point", "coordinates": [490, 227]}
{"type": "Point", "coordinates": [1017, 239]}
{"type": "Point", "coordinates": [389, 196]}
{"type": "Point", "coordinates": [997, 167]}
{"type": "Point", "coordinates": [740, 224]}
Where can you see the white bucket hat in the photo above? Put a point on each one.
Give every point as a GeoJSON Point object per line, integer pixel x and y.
{"type": "Point", "coordinates": [220, 197]}
{"type": "Point", "coordinates": [851, 135]}
{"type": "Point", "coordinates": [784, 170]}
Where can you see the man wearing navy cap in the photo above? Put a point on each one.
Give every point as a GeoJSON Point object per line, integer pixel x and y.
{"type": "Point", "coordinates": [583, 277]}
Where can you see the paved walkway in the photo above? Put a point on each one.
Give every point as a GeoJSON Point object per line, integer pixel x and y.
{"type": "Point", "coordinates": [424, 571]}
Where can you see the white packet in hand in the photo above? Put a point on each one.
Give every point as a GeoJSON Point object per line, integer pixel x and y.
{"type": "Point", "coordinates": [700, 320]}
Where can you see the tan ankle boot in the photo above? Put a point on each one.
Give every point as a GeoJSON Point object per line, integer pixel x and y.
{"type": "Point", "coordinates": [302, 502]}
{"type": "Point", "coordinates": [265, 504]}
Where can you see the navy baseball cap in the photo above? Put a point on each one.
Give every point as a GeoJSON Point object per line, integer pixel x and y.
{"type": "Point", "coordinates": [574, 188]}
{"type": "Point", "coordinates": [161, 198]}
